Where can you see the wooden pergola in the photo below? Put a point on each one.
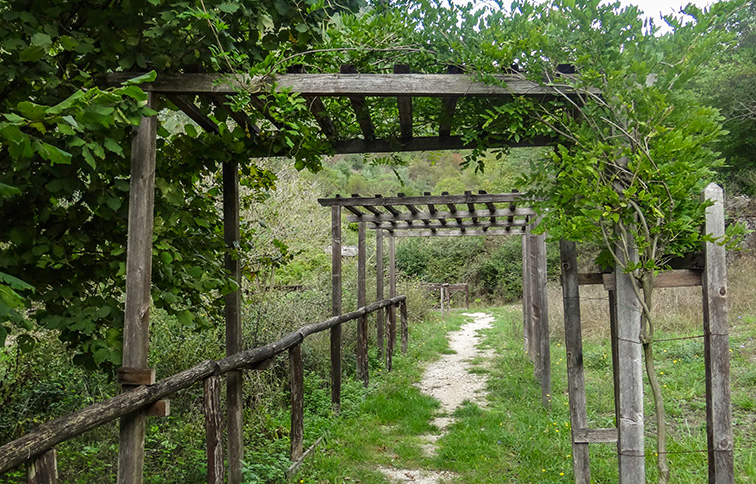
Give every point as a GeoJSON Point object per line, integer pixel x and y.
{"type": "Point", "coordinates": [199, 96]}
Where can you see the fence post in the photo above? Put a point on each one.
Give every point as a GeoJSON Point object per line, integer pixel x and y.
{"type": "Point", "coordinates": [379, 319]}
{"type": "Point", "coordinates": [573, 342]}
{"type": "Point", "coordinates": [336, 307]}
{"type": "Point", "coordinates": [214, 430]}
{"type": "Point", "coordinates": [297, 402]}
{"type": "Point", "coordinates": [632, 460]}
{"type": "Point", "coordinates": [541, 317]}
{"type": "Point", "coordinates": [43, 469]}
{"type": "Point", "coordinates": [136, 333]}
{"type": "Point", "coordinates": [392, 308]}
{"type": "Point", "coordinates": [526, 307]}
{"type": "Point", "coordinates": [405, 328]}
{"type": "Point", "coordinates": [362, 330]}
{"type": "Point", "coordinates": [717, 345]}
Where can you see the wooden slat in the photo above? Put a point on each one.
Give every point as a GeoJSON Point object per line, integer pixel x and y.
{"type": "Point", "coordinates": [454, 232]}
{"type": "Point", "coordinates": [355, 211]}
{"type": "Point", "coordinates": [404, 103]}
{"type": "Point", "coordinates": [361, 110]}
{"type": "Point", "coordinates": [336, 307]}
{"type": "Point", "coordinates": [232, 309]}
{"type": "Point", "coordinates": [594, 436]}
{"type": "Point", "coordinates": [379, 85]}
{"type": "Point", "coordinates": [492, 208]}
{"type": "Point", "coordinates": [512, 207]}
{"type": "Point", "coordinates": [674, 278]}
{"type": "Point", "coordinates": [421, 200]}
{"type": "Point", "coordinates": [471, 207]}
{"type": "Point", "coordinates": [453, 208]}
{"type": "Point", "coordinates": [433, 143]}
{"type": "Point", "coordinates": [717, 345]}
{"type": "Point", "coordinates": [135, 376]}
{"type": "Point", "coordinates": [297, 402]}
{"type": "Point", "coordinates": [194, 113]}
{"type": "Point", "coordinates": [362, 329]}
{"type": "Point", "coordinates": [43, 469]}
{"type": "Point", "coordinates": [453, 224]}
{"type": "Point", "coordinates": [427, 216]}
{"type": "Point", "coordinates": [214, 430]}
{"type": "Point", "coordinates": [411, 208]}
{"type": "Point", "coordinates": [138, 286]}
{"type": "Point", "coordinates": [318, 110]}
{"type": "Point", "coordinates": [161, 408]}
{"type": "Point", "coordinates": [573, 345]}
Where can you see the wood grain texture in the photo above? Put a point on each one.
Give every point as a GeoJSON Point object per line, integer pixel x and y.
{"type": "Point", "coordinates": [573, 344]}
{"type": "Point", "coordinates": [213, 430]}
{"type": "Point", "coordinates": [541, 316]}
{"type": "Point", "coordinates": [136, 332]}
{"type": "Point", "coordinates": [526, 305]}
{"type": "Point", "coordinates": [717, 345]}
{"type": "Point", "coordinates": [335, 335]}
{"type": "Point", "coordinates": [297, 402]}
{"type": "Point", "coordinates": [43, 469]}
{"type": "Point", "coordinates": [595, 436]}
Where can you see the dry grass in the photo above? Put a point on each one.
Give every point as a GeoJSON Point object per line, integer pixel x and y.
{"type": "Point", "coordinates": [677, 310]}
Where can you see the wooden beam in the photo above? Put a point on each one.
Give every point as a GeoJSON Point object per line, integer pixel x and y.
{"type": "Point", "coordinates": [452, 224]}
{"type": "Point", "coordinates": [573, 344]}
{"type": "Point", "coordinates": [297, 402]}
{"type": "Point", "coordinates": [448, 104]}
{"type": "Point", "coordinates": [361, 110]}
{"type": "Point", "coordinates": [411, 208]}
{"type": "Point", "coordinates": [195, 114]}
{"type": "Point", "coordinates": [43, 469]}
{"type": "Point", "coordinates": [362, 326]}
{"type": "Point", "coordinates": [391, 310]}
{"type": "Point", "coordinates": [541, 313]}
{"type": "Point", "coordinates": [471, 208]}
{"type": "Point", "coordinates": [674, 278]}
{"type": "Point", "coordinates": [404, 103]}
{"type": "Point", "coordinates": [421, 200]}
{"type": "Point", "coordinates": [379, 315]}
{"type": "Point", "coordinates": [453, 232]}
{"type": "Point", "coordinates": [453, 208]}
{"type": "Point", "coordinates": [336, 307]}
{"type": "Point", "coordinates": [378, 85]}
{"type": "Point", "coordinates": [239, 117]}
{"type": "Point", "coordinates": [136, 333]}
{"type": "Point", "coordinates": [594, 436]}
{"type": "Point", "coordinates": [492, 208]}
{"type": "Point", "coordinates": [214, 430]}
{"type": "Point", "coordinates": [318, 110]}
{"type": "Point", "coordinates": [717, 345]}
{"type": "Point", "coordinates": [433, 143]}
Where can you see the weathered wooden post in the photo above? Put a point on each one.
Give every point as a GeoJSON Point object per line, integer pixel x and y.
{"type": "Point", "coordinates": [391, 310]}
{"type": "Point", "coordinates": [441, 292]}
{"type": "Point", "coordinates": [297, 402]}
{"type": "Point", "coordinates": [362, 330]}
{"type": "Point", "coordinates": [136, 333]}
{"type": "Point", "coordinates": [573, 342]}
{"type": "Point", "coordinates": [630, 446]}
{"type": "Point", "coordinates": [43, 469]}
{"type": "Point", "coordinates": [234, 379]}
{"type": "Point", "coordinates": [405, 327]}
{"type": "Point", "coordinates": [717, 345]}
{"type": "Point", "coordinates": [541, 317]}
{"type": "Point", "coordinates": [336, 307]}
{"type": "Point", "coordinates": [214, 430]}
{"type": "Point", "coordinates": [379, 319]}
{"type": "Point", "coordinates": [526, 308]}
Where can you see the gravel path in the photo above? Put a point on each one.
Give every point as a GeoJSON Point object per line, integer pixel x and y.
{"type": "Point", "coordinates": [450, 382]}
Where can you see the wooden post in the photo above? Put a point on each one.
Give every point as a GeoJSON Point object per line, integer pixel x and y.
{"type": "Point", "coordinates": [379, 314]}
{"type": "Point", "coordinates": [541, 318]}
{"type": "Point", "coordinates": [136, 332]}
{"type": "Point", "coordinates": [391, 309]}
{"type": "Point", "coordinates": [526, 307]}
{"type": "Point", "coordinates": [362, 330]}
{"type": "Point", "coordinates": [336, 307]}
{"type": "Point", "coordinates": [297, 402]}
{"type": "Point", "coordinates": [43, 469]}
{"type": "Point", "coordinates": [573, 342]}
{"type": "Point", "coordinates": [615, 352]}
{"type": "Point", "coordinates": [234, 379]}
{"type": "Point", "coordinates": [441, 292]}
{"type": "Point", "coordinates": [214, 430]}
{"type": "Point", "coordinates": [405, 327]}
{"type": "Point", "coordinates": [632, 465]}
{"type": "Point", "coordinates": [717, 345]}
{"type": "Point", "coordinates": [467, 296]}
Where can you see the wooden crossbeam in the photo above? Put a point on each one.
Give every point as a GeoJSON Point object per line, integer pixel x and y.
{"type": "Point", "coordinates": [368, 208]}
{"type": "Point", "coordinates": [411, 208]}
{"type": "Point", "coordinates": [262, 106]}
{"type": "Point", "coordinates": [443, 215]}
{"type": "Point", "coordinates": [490, 206]}
{"type": "Point", "coordinates": [458, 225]}
{"type": "Point", "coordinates": [453, 207]}
{"type": "Point", "coordinates": [453, 232]}
{"type": "Point", "coordinates": [404, 103]}
{"type": "Point", "coordinates": [361, 110]}
{"type": "Point", "coordinates": [421, 200]}
{"type": "Point", "coordinates": [471, 207]}
{"type": "Point", "coordinates": [221, 101]}
{"type": "Point", "coordinates": [190, 109]}
{"type": "Point", "coordinates": [318, 109]}
{"type": "Point", "coordinates": [673, 278]}
{"type": "Point", "coordinates": [378, 85]}
{"type": "Point", "coordinates": [432, 143]}
{"type": "Point", "coordinates": [432, 209]}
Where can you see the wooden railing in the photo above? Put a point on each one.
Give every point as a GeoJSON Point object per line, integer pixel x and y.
{"type": "Point", "coordinates": [37, 447]}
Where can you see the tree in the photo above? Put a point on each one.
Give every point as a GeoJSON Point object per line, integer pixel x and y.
{"type": "Point", "coordinates": [64, 151]}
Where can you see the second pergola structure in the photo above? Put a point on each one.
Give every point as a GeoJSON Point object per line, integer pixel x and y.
{"type": "Point", "coordinates": [442, 215]}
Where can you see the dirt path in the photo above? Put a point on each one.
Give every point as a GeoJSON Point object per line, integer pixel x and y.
{"type": "Point", "coordinates": [450, 382]}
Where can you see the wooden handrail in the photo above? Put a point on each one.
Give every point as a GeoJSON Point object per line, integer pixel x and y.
{"type": "Point", "coordinates": [49, 434]}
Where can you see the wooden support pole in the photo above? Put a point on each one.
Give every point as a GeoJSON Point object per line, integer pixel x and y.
{"type": "Point", "coordinates": [136, 332]}
{"type": "Point", "coordinates": [336, 307]}
{"type": "Point", "coordinates": [441, 292]}
{"type": "Point", "coordinates": [392, 309]}
{"type": "Point", "coordinates": [234, 379]}
{"type": "Point", "coordinates": [43, 469]}
{"type": "Point", "coordinates": [632, 459]}
{"type": "Point", "coordinates": [573, 342]}
{"type": "Point", "coordinates": [379, 315]}
{"type": "Point", "coordinates": [541, 318]}
{"type": "Point", "coordinates": [717, 345]}
{"type": "Point", "coordinates": [467, 296]}
{"type": "Point", "coordinates": [362, 325]}
{"type": "Point", "coordinates": [214, 430]}
{"type": "Point", "coordinates": [533, 341]}
{"type": "Point", "coordinates": [405, 326]}
{"type": "Point", "coordinates": [297, 402]}
{"type": "Point", "coordinates": [525, 292]}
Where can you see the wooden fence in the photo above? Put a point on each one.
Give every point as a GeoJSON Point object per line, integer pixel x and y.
{"type": "Point", "coordinates": [37, 448]}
